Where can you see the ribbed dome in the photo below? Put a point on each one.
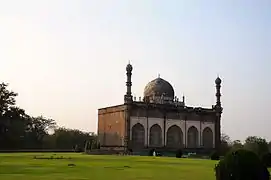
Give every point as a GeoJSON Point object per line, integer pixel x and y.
{"type": "Point", "coordinates": [158, 87]}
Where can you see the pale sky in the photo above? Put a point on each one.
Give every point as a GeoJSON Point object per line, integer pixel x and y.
{"type": "Point", "coordinates": [67, 58]}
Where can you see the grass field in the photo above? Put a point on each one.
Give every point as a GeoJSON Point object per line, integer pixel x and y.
{"type": "Point", "coordinates": [25, 166]}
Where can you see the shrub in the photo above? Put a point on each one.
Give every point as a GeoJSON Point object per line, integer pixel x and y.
{"type": "Point", "coordinates": [78, 149]}
{"type": "Point", "coordinates": [214, 156]}
{"type": "Point", "coordinates": [151, 152]}
{"type": "Point", "coordinates": [158, 154]}
{"type": "Point", "coordinates": [241, 165]}
{"type": "Point", "coordinates": [179, 153]}
{"type": "Point", "coordinates": [266, 159]}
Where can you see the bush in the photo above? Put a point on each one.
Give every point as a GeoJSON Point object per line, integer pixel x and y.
{"type": "Point", "coordinates": [241, 165]}
{"type": "Point", "coordinates": [214, 156]}
{"type": "Point", "coordinates": [266, 159]}
{"type": "Point", "coordinates": [158, 154]}
{"type": "Point", "coordinates": [78, 149]}
{"type": "Point", "coordinates": [179, 153]}
{"type": "Point", "coordinates": [151, 152]}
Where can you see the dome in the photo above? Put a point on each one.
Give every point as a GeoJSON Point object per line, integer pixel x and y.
{"type": "Point", "coordinates": [157, 87]}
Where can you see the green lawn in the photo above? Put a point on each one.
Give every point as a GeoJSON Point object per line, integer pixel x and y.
{"type": "Point", "coordinates": [21, 166]}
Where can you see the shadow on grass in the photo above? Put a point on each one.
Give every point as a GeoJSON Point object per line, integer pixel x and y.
{"type": "Point", "coordinates": [117, 168]}
{"type": "Point", "coordinates": [51, 157]}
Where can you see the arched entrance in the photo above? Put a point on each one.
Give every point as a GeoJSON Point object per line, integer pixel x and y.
{"type": "Point", "coordinates": [192, 137]}
{"type": "Point", "coordinates": [174, 137]}
{"type": "Point", "coordinates": [207, 138]}
{"type": "Point", "coordinates": [155, 136]}
{"type": "Point", "coordinates": [138, 136]}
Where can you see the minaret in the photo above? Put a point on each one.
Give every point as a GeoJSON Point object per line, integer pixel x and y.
{"type": "Point", "coordinates": [128, 98]}
{"type": "Point", "coordinates": [218, 94]}
{"type": "Point", "coordinates": [218, 110]}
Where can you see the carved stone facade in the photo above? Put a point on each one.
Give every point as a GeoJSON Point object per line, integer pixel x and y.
{"type": "Point", "coordinates": [160, 121]}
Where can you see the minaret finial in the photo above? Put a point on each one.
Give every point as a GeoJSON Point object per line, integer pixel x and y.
{"type": "Point", "coordinates": [218, 94]}
{"type": "Point", "coordinates": [128, 98]}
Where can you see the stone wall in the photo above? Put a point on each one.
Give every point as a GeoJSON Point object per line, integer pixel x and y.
{"type": "Point", "coordinates": [111, 126]}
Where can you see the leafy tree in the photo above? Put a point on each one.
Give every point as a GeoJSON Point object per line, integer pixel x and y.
{"type": "Point", "coordinates": [37, 129]}
{"type": "Point", "coordinates": [257, 145]}
{"type": "Point", "coordinates": [241, 165]}
{"type": "Point", "coordinates": [214, 156]}
{"type": "Point", "coordinates": [269, 146]}
{"type": "Point", "coordinates": [19, 130]}
{"type": "Point", "coordinates": [236, 144]}
{"type": "Point", "coordinates": [225, 143]}
{"type": "Point", "coordinates": [266, 159]}
{"type": "Point", "coordinates": [179, 153]}
{"type": "Point", "coordinates": [68, 138]}
{"type": "Point", "coordinates": [12, 120]}
{"type": "Point", "coordinates": [7, 98]}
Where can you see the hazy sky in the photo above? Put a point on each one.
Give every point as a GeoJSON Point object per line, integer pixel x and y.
{"type": "Point", "coordinates": [67, 58]}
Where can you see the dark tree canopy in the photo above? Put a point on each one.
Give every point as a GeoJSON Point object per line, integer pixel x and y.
{"type": "Point", "coordinates": [241, 165]}
{"type": "Point", "coordinates": [7, 98]}
{"type": "Point", "coordinates": [257, 145]}
{"type": "Point", "coordinates": [236, 144]}
{"type": "Point", "coordinates": [225, 143]}
{"type": "Point", "coordinates": [19, 130]}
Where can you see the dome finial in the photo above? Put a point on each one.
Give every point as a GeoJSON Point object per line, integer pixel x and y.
{"type": "Point", "coordinates": [158, 75]}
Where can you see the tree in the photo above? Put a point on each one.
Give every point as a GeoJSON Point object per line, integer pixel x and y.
{"type": "Point", "coordinates": [68, 138]}
{"type": "Point", "coordinates": [266, 159]}
{"type": "Point", "coordinates": [214, 156]}
{"type": "Point", "coordinates": [7, 98]}
{"type": "Point", "coordinates": [225, 138]}
{"type": "Point", "coordinates": [257, 145]}
{"type": "Point", "coordinates": [225, 144]}
{"type": "Point", "coordinates": [269, 146]}
{"type": "Point", "coordinates": [37, 129]}
{"type": "Point", "coordinates": [12, 120]}
{"type": "Point", "coordinates": [19, 130]}
{"type": "Point", "coordinates": [236, 144]}
{"type": "Point", "coordinates": [241, 165]}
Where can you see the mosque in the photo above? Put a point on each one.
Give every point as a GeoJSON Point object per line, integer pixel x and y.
{"type": "Point", "coordinates": [160, 121]}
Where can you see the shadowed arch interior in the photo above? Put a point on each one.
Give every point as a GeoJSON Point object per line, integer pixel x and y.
{"type": "Point", "coordinates": [138, 135]}
{"type": "Point", "coordinates": [156, 136]}
{"type": "Point", "coordinates": [192, 137]}
{"type": "Point", "coordinates": [207, 137]}
{"type": "Point", "coordinates": [174, 137]}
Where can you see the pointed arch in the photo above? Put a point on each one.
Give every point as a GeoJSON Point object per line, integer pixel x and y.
{"type": "Point", "coordinates": [174, 137]}
{"type": "Point", "coordinates": [138, 135]}
{"type": "Point", "coordinates": [155, 136]}
{"type": "Point", "coordinates": [207, 138]}
{"type": "Point", "coordinates": [192, 137]}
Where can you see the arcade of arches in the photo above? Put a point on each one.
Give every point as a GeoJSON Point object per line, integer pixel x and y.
{"type": "Point", "coordinates": [174, 137]}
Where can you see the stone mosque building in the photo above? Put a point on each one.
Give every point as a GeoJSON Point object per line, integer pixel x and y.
{"type": "Point", "coordinates": [160, 121]}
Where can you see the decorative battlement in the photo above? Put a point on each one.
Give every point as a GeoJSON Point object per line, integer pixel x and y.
{"type": "Point", "coordinates": [160, 100]}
